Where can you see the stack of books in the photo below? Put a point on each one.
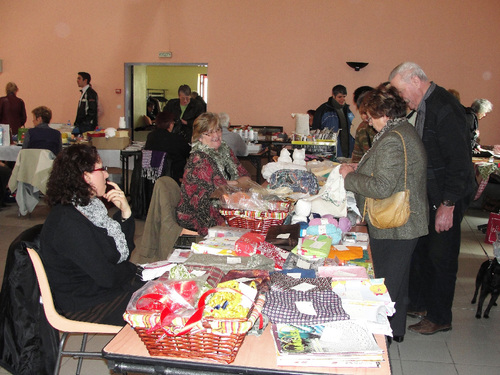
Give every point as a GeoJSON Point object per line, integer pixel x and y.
{"type": "Point", "coordinates": [336, 344]}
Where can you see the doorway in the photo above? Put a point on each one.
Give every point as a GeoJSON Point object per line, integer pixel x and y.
{"type": "Point", "coordinates": [160, 82]}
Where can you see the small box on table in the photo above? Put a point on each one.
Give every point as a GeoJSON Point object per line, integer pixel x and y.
{"type": "Point", "coordinates": [114, 143]}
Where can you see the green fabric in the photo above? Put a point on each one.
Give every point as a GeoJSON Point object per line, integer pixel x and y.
{"type": "Point", "coordinates": [183, 108]}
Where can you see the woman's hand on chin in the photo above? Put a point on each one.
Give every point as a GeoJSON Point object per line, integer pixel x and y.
{"type": "Point", "coordinates": [118, 198]}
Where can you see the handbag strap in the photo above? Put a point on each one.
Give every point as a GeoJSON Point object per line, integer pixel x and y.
{"type": "Point", "coordinates": [406, 165]}
{"type": "Point", "coordinates": [404, 149]}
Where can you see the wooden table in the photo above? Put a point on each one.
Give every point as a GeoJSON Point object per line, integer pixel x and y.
{"type": "Point", "coordinates": [126, 352]}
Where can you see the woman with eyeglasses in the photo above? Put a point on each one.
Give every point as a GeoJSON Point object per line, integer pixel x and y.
{"type": "Point", "coordinates": [86, 252]}
{"type": "Point", "coordinates": [212, 164]}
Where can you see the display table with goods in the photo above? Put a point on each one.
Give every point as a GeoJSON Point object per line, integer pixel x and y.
{"type": "Point", "coordinates": [252, 298]}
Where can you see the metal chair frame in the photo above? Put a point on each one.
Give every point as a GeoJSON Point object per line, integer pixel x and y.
{"type": "Point", "coordinates": [64, 325]}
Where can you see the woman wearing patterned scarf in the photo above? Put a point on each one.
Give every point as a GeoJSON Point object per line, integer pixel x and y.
{"type": "Point", "coordinates": [86, 252]}
{"type": "Point", "coordinates": [390, 166]}
{"type": "Point", "coordinates": [211, 164]}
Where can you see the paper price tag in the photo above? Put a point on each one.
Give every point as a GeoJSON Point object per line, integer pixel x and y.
{"type": "Point", "coordinates": [294, 275]}
{"type": "Point", "coordinates": [302, 264]}
{"type": "Point", "coordinates": [304, 287]}
{"type": "Point", "coordinates": [233, 260]}
{"type": "Point", "coordinates": [317, 245]}
{"type": "Point", "coordinates": [306, 307]}
{"type": "Point", "coordinates": [283, 236]}
{"type": "Point", "coordinates": [341, 248]}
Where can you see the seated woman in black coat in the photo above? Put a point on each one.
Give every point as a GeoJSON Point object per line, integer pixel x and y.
{"type": "Point", "coordinates": [85, 252]}
{"type": "Point", "coordinates": [176, 147]}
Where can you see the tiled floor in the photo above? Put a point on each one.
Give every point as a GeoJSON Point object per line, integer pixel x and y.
{"type": "Point", "coordinates": [470, 348]}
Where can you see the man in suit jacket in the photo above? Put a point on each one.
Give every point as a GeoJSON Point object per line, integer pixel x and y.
{"type": "Point", "coordinates": [86, 115]}
{"type": "Point", "coordinates": [42, 136]}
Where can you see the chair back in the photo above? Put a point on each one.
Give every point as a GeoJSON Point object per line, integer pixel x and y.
{"type": "Point", "coordinates": [58, 321]}
{"type": "Point", "coordinates": [28, 343]}
{"type": "Point", "coordinates": [147, 170]}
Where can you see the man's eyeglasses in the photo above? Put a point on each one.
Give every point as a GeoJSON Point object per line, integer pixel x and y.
{"type": "Point", "coordinates": [102, 169]}
{"type": "Point", "coordinates": [212, 132]}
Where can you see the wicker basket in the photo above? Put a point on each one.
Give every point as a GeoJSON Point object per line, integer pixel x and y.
{"type": "Point", "coordinates": [209, 343]}
{"type": "Point", "coordinates": [257, 221]}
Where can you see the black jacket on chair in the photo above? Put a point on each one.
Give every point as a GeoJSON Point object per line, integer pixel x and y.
{"type": "Point", "coordinates": [28, 343]}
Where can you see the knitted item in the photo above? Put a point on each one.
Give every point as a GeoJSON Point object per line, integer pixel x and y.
{"type": "Point", "coordinates": [97, 213]}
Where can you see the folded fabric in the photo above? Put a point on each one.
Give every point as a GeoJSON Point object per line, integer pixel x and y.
{"type": "Point", "coordinates": [346, 253]}
{"type": "Point", "coordinates": [228, 263]}
{"type": "Point", "coordinates": [282, 282]}
{"type": "Point", "coordinates": [247, 244]}
{"type": "Point", "coordinates": [297, 180]}
{"type": "Point", "coordinates": [315, 246]}
{"type": "Point", "coordinates": [273, 252]}
{"type": "Point", "coordinates": [215, 246]}
{"type": "Point", "coordinates": [259, 277]}
{"type": "Point", "coordinates": [313, 307]}
{"type": "Point", "coordinates": [330, 230]}
{"type": "Point", "coordinates": [296, 261]}
{"type": "Point", "coordinates": [327, 219]}
{"type": "Point", "coordinates": [300, 272]}
{"type": "Point", "coordinates": [284, 236]}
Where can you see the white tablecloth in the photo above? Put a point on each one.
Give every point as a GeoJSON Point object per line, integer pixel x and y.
{"type": "Point", "coordinates": [9, 153]}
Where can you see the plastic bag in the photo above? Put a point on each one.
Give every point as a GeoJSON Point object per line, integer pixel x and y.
{"type": "Point", "coordinates": [253, 198]}
{"type": "Point", "coordinates": [169, 298]}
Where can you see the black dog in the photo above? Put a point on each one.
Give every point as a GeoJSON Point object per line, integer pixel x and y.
{"type": "Point", "coordinates": [488, 278]}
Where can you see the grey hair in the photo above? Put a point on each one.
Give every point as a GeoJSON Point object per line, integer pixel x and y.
{"type": "Point", "coordinates": [482, 106]}
{"type": "Point", "coordinates": [224, 120]}
{"type": "Point", "coordinates": [408, 70]}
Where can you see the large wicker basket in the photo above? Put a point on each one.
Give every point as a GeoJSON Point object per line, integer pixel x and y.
{"type": "Point", "coordinates": [257, 221]}
{"type": "Point", "coordinates": [212, 342]}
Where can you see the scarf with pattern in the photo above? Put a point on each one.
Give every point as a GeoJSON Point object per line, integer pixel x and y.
{"type": "Point", "coordinates": [97, 213]}
{"type": "Point", "coordinates": [222, 158]}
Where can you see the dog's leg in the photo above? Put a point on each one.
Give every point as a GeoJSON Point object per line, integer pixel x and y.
{"type": "Point", "coordinates": [479, 279]}
{"type": "Point", "coordinates": [494, 297]}
{"type": "Point", "coordinates": [482, 297]}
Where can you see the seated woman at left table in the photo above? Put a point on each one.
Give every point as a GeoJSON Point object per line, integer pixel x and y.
{"type": "Point", "coordinates": [85, 252]}
{"type": "Point", "coordinates": [212, 164]}
{"type": "Point", "coordinates": [42, 135]}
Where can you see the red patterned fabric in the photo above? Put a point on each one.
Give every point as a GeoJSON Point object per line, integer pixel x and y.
{"type": "Point", "coordinates": [201, 178]}
{"type": "Point", "coordinates": [275, 253]}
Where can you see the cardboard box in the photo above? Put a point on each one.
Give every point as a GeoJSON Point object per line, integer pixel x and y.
{"type": "Point", "coordinates": [115, 143]}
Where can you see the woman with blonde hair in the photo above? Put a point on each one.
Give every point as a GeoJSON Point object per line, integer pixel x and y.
{"type": "Point", "coordinates": [211, 164]}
